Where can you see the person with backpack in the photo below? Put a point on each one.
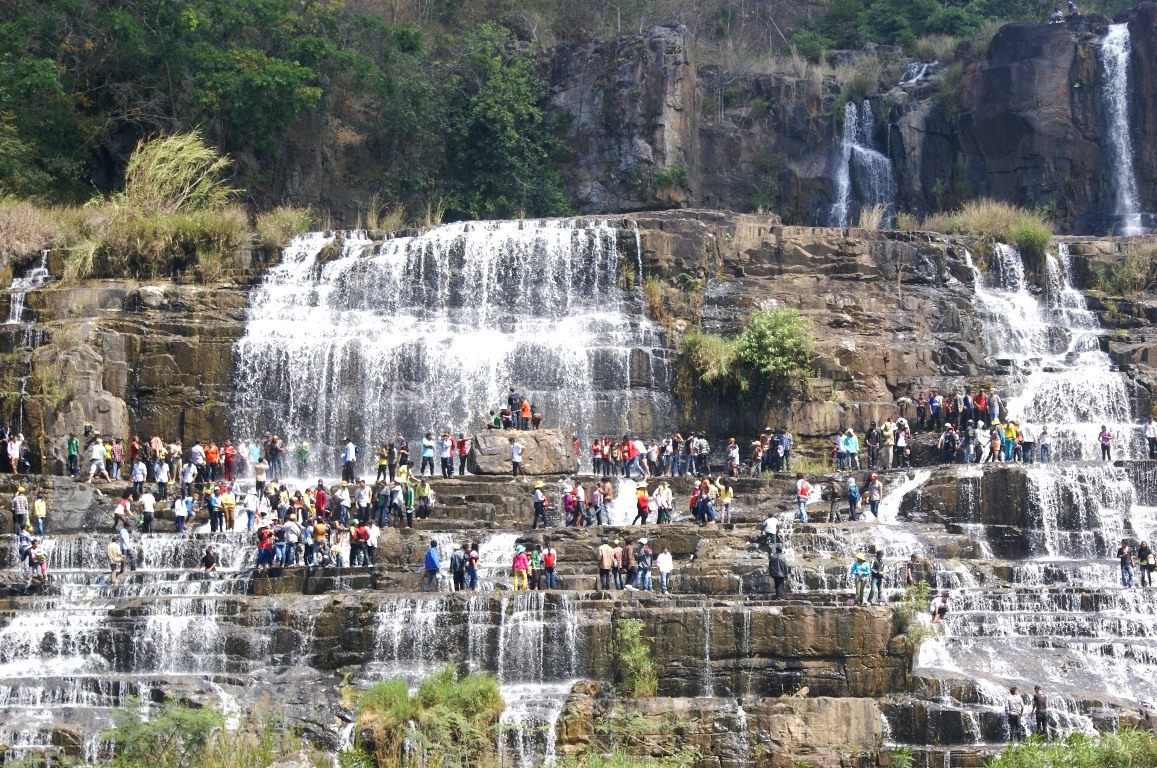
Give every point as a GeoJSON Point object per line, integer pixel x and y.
{"type": "Point", "coordinates": [853, 499]}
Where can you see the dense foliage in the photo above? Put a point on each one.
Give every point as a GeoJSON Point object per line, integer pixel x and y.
{"type": "Point", "coordinates": [853, 23]}
{"type": "Point", "coordinates": [449, 721]}
{"type": "Point", "coordinates": [774, 348]}
{"type": "Point", "coordinates": [1126, 748]}
{"type": "Point", "coordinates": [635, 668]}
{"type": "Point", "coordinates": [459, 121]}
{"type": "Point", "coordinates": [178, 736]}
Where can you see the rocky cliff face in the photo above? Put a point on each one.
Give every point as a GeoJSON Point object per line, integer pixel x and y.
{"type": "Point", "coordinates": [1025, 123]}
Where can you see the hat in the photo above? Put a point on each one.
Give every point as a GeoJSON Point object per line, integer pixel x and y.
{"type": "Point", "coordinates": [860, 556]}
{"type": "Point", "coordinates": [643, 541]}
{"type": "Point", "coordinates": [20, 489]}
{"type": "Point", "coordinates": [354, 521]}
{"type": "Point", "coordinates": [849, 431]}
{"type": "Point", "coordinates": [519, 548]}
{"type": "Point", "coordinates": [294, 517]}
{"type": "Point", "coordinates": [618, 541]}
{"type": "Point", "coordinates": [540, 484]}
{"type": "Point", "coordinates": [996, 422]}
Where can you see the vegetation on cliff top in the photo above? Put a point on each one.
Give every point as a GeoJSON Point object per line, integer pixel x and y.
{"type": "Point", "coordinates": [993, 221]}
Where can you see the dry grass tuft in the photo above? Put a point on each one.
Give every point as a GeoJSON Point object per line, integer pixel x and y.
{"type": "Point", "coordinates": [873, 218]}
{"type": "Point", "coordinates": [276, 228]}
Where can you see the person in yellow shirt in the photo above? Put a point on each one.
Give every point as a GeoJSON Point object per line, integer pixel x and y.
{"type": "Point", "coordinates": [1009, 439]}
{"type": "Point", "coordinates": [229, 506]}
{"type": "Point", "coordinates": [39, 512]}
{"type": "Point", "coordinates": [726, 494]}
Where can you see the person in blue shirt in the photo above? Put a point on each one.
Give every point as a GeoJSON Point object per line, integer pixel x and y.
{"type": "Point", "coordinates": [433, 566]}
{"type": "Point", "coordinates": [860, 574]}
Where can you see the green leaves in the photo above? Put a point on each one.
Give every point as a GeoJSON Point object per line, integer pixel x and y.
{"type": "Point", "coordinates": [776, 344]}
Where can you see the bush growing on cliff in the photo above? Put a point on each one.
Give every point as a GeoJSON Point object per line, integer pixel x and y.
{"type": "Point", "coordinates": [277, 227]}
{"type": "Point", "coordinates": [638, 676]}
{"type": "Point", "coordinates": [1126, 748]}
{"type": "Point", "coordinates": [448, 721]}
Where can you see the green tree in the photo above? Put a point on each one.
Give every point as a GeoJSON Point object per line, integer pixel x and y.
{"type": "Point", "coordinates": [500, 149]}
{"type": "Point", "coordinates": [776, 344]}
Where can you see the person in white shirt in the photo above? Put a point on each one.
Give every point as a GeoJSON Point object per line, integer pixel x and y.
{"type": "Point", "coordinates": [1151, 437]}
{"type": "Point", "coordinates": [1044, 444]}
{"type": "Point", "coordinates": [515, 459]}
{"type": "Point", "coordinates": [666, 564]}
{"type": "Point", "coordinates": [96, 461]}
{"type": "Point", "coordinates": [771, 531]}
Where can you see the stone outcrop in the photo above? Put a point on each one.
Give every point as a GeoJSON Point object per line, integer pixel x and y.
{"type": "Point", "coordinates": [545, 452]}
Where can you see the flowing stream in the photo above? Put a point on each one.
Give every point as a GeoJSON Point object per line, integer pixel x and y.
{"type": "Point", "coordinates": [1116, 48]}
{"type": "Point", "coordinates": [864, 176]}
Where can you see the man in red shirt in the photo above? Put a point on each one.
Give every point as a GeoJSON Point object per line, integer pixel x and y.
{"type": "Point", "coordinates": [463, 446]}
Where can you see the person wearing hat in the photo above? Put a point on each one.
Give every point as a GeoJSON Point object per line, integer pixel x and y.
{"type": "Point", "coordinates": [540, 505]}
{"type": "Point", "coordinates": [519, 568]}
{"type": "Point", "coordinates": [19, 511]}
{"type": "Point", "coordinates": [875, 495]}
{"type": "Point", "coordinates": [860, 573]}
{"type": "Point", "coordinates": [947, 444]}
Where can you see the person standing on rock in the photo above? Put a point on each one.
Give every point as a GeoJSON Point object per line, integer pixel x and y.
{"type": "Point", "coordinates": [852, 448]}
{"type": "Point", "coordinates": [432, 567]}
{"type": "Point", "coordinates": [645, 562]}
{"type": "Point", "coordinates": [631, 563]}
{"type": "Point", "coordinates": [73, 449]}
{"type": "Point", "coordinates": [877, 589]}
{"type": "Point", "coordinates": [516, 449]}
{"type": "Point", "coordinates": [1105, 438]}
{"type": "Point", "coordinates": [887, 444]}
{"type": "Point", "coordinates": [116, 560]}
{"type": "Point", "coordinates": [1147, 561]}
{"type": "Point", "coordinates": [617, 567]}
{"type": "Point", "coordinates": [875, 495]}
{"type": "Point", "coordinates": [19, 511]}
{"type": "Point", "coordinates": [96, 461]}
{"type": "Point", "coordinates": [994, 403]}
{"type": "Point", "coordinates": [540, 505]}
{"type": "Point", "coordinates": [1040, 709]}
{"type": "Point", "coordinates": [860, 573]}
{"type": "Point", "coordinates": [778, 569]}
{"type": "Point", "coordinates": [1125, 557]}
{"type": "Point", "coordinates": [349, 457]}
{"type": "Point", "coordinates": [40, 511]}
{"type": "Point", "coordinates": [872, 441]}
{"type": "Point", "coordinates": [666, 565]}
{"type": "Point", "coordinates": [1014, 709]}
{"type": "Point", "coordinates": [520, 567]}
{"type": "Point", "coordinates": [770, 530]}
{"type": "Point", "coordinates": [1151, 437]}
{"type": "Point", "coordinates": [802, 490]}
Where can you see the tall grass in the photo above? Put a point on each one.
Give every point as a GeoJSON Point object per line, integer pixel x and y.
{"type": "Point", "coordinates": [996, 221]}
{"type": "Point", "coordinates": [175, 174]}
{"type": "Point", "coordinates": [873, 218]}
{"type": "Point", "coordinates": [276, 228]}
{"type": "Point", "coordinates": [1126, 748]}
{"type": "Point", "coordinates": [173, 216]}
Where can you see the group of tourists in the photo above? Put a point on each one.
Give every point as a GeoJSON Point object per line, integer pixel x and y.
{"type": "Point", "coordinates": [629, 566]}
{"type": "Point", "coordinates": [518, 413]}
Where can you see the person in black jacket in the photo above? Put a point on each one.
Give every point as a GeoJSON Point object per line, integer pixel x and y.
{"type": "Point", "coordinates": [778, 569]}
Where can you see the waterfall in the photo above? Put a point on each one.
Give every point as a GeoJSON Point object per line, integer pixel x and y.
{"type": "Point", "coordinates": [1066, 382]}
{"type": "Point", "coordinates": [1116, 49]}
{"type": "Point", "coordinates": [347, 337]}
{"type": "Point", "coordinates": [22, 329]}
{"type": "Point", "coordinates": [863, 175]}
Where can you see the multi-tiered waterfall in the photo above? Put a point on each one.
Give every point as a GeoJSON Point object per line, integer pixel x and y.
{"type": "Point", "coordinates": [348, 337]}
{"type": "Point", "coordinates": [1064, 622]}
{"type": "Point", "coordinates": [864, 175]}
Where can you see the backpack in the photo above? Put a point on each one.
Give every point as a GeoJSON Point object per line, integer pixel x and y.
{"type": "Point", "coordinates": [854, 493]}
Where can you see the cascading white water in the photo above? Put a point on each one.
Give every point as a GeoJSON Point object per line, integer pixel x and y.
{"type": "Point", "coordinates": [1116, 48]}
{"type": "Point", "coordinates": [1065, 381]}
{"type": "Point", "coordinates": [36, 277]}
{"type": "Point", "coordinates": [864, 175]}
{"type": "Point", "coordinates": [426, 333]}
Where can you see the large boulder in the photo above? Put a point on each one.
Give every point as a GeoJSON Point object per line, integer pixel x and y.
{"type": "Point", "coordinates": [545, 452]}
